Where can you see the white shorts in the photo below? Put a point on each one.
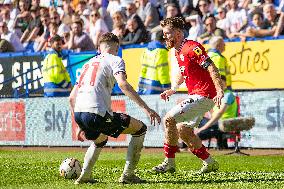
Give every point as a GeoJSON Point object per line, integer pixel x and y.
{"type": "Point", "coordinates": [191, 110]}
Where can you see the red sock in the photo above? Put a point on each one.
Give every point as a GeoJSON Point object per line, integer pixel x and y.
{"type": "Point", "coordinates": [170, 151]}
{"type": "Point", "coordinates": [201, 153]}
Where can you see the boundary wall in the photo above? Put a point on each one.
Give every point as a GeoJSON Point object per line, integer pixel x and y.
{"type": "Point", "coordinates": [47, 121]}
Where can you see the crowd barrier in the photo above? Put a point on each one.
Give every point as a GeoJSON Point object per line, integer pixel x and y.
{"type": "Point", "coordinates": [47, 121]}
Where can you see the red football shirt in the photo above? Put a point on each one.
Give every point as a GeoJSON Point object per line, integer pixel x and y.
{"type": "Point", "coordinates": [191, 56]}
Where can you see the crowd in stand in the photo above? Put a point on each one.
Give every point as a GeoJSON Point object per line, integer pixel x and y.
{"type": "Point", "coordinates": [28, 25]}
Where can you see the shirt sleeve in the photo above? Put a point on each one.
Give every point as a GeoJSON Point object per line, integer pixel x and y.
{"type": "Point", "coordinates": [228, 98]}
{"type": "Point", "coordinates": [118, 66]}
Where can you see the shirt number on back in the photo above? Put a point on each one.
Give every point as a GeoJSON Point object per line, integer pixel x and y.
{"type": "Point", "coordinates": [94, 68]}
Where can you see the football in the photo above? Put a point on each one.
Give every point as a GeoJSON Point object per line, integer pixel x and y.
{"type": "Point", "coordinates": [70, 168]}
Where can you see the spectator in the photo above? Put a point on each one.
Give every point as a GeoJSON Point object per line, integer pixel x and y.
{"type": "Point", "coordinates": [22, 20]}
{"type": "Point", "coordinates": [5, 46]}
{"type": "Point", "coordinates": [154, 76]}
{"type": "Point", "coordinates": [196, 28]}
{"type": "Point", "coordinates": [137, 32]}
{"type": "Point", "coordinates": [211, 30]}
{"type": "Point", "coordinates": [216, 48]}
{"type": "Point", "coordinates": [221, 19]}
{"type": "Point", "coordinates": [5, 14]}
{"type": "Point", "coordinates": [228, 109]}
{"type": "Point", "coordinates": [270, 23]}
{"type": "Point", "coordinates": [97, 27]}
{"type": "Point", "coordinates": [149, 14]}
{"type": "Point", "coordinates": [34, 28]}
{"type": "Point", "coordinates": [172, 10]}
{"type": "Point", "coordinates": [56, 79]}
{"type": "Point", "coordinates": [66, 17]}
{"type": "Point", "coordinates": [114, 6]}
{"type": "Point", "coordinates": [94, 5]}
{"type": "Point", "coordinates": [39, 42]}
{"type": "Point", "coordinates": [11, 37]}
{"type": "Point", "coordinates": [120, 31]}
{"type": "Point", "coordinates": [236, 18]}
{"type": "Point", "coordinates": [203, 7]}
{"type": "Point", "coordinates": [130, 10]}
{"type": "Point", "coordinates": [55, 18]}
{"type": "Point", "coordinates": [118, 20]}
{"type": "Point", "coordinates": [280, 25]}
{"type": "Point", "coordinates": [80, 41]}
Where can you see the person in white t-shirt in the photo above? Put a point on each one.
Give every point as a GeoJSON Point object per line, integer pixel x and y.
{"type": "Point", "coordinates": [90, 102]}
{"type": "Point", "coordinates": [97, 26]}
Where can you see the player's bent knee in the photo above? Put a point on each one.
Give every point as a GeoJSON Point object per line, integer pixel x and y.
{"type": "Point", "coordinates": [141, 131]}
{"type": "Point", "coordinates": [101, 144]}
{"type": "Point", "coordinates": [170, 122]}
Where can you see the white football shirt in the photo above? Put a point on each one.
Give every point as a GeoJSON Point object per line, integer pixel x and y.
{"type": "Point", "coordinates": [96, 82]}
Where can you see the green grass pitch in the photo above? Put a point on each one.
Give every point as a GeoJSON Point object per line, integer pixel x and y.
{"type": "Point", "coordinates": [39, 169]}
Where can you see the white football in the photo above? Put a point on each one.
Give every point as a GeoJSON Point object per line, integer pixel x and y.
{"type": "Point", "coordinates": [70, 168]}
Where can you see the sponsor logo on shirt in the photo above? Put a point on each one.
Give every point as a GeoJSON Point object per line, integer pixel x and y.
{"type": "Point", "coordinates": [197, 51]}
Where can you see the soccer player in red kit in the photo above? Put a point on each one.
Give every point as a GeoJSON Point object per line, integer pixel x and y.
{"type": "Point", "coordinates": [204, 89]}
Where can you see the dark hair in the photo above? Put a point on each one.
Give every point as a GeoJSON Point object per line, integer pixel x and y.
{"type": "Point", "coordinates": [55, 38]}
{"type": "Point", "coordinates": [108, 38]}
{"type": "Point", "coordinates": [223, 77]}
{"type": "Point", "coordinates": [209, 16]}
{"type": "Point", "coordinates": [257, 13]}
{"type": "Point", "coordinates": [174, 22]}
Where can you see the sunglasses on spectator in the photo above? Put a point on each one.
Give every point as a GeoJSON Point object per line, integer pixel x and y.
{"type": "Point", "coordinates": [92, 15]}
{"type": "Point", "coordinates": [220, 12]}
{"type": "Point", "coordinates": [53, 18]}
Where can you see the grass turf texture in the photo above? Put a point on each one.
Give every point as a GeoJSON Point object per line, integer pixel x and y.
{"type": "Point", "coordinates": [39, 169]}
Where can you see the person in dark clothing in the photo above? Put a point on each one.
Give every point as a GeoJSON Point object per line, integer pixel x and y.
{"type": "Point", "coordinates": [137, 32]}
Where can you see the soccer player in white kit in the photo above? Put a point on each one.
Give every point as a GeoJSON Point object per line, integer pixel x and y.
{"type": "Point", "coordinates": [90, 102]}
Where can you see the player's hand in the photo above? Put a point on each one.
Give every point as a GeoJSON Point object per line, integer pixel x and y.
{"type": "Point", "coordinates": [80, 134]}
{"type": "Point", "coordinates": [217, 99]}
{"type": "Point", "coordinates": [153, 117]}
{"type": "Point", "coordinates": [166, 94]}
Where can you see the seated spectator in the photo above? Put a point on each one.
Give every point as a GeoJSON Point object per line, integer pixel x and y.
{"type": "Point", "coordinates": [221, 19]}
{"type": "Point", "coordinates": [5, 46]}
{"type": "Point", "coordinates": [39, 41]}
{"type": "Point", "coordinates": [79, 41]}
{"type": "Point", "coordinates": [236, 19]}
{"type": "Point", "coordinates": [196, 28]}
{"type": "Point", "coordinates": [270, 23]}
{"type": "Point", "coordinates": [137, 32]}
{"type": "Point", "coordinates": [56, 79]}
{"type": "Point", "coordinates": [210, 30]}
{"type": "Point", "coordinates": [53, 30]}
{"type": "Point", "coordinates": [5, 14]}
{"type": "Point", "coordinates": [114, 6]}
{"type": "Point", "coordinates": [280, 25]}
{"type": "Point", "coordinates": [120, 31]}
{"type": "Point", "coordinates": [68, 11]}
{"type": "Point", "coordinates": [23, 19]}
{"type": "Point", "coordinates": [11, 37]}
{"type": "Point", "coordinates": [130, 10]}
{"type": "Point", "coordinates": [118, 20]}
{"type": "Point", "coordinates": [204, 9]}
{"type": "Point", "coordinates": [34, 28]}
{"type": "Point", "coordinates": [228, 109]}
{"type": "Point", "coordinates": [154, 76]}
{"type": "Point", "coordinates": [97, 27]}
{"type": "Point", "coordinates": [55, 18]}
{"type": "Point", "coordinates": [149, 14]}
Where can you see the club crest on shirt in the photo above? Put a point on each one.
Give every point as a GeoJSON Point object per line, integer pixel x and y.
{"type": "Point", "coordinates": [181, 57]}
{"type": "Point", "coordinates": [197, 51]}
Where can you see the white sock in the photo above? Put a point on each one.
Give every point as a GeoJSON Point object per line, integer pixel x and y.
{"type": "Point", "coordinates": [208, 160]}
{"type": "Point", "coordinates": [171, 161]}
{"type": "Point", "coordinates": [90, 159]}
{"type": "Point", "coordinates": [133, 154]}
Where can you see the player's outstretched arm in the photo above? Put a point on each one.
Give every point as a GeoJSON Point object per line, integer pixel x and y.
{"type": "Point", "coordinates": [214, 73]}
{"type": "Point", "coordinates": [128, 90]}
{"type": "Point", "coordinates": [175, 85]}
